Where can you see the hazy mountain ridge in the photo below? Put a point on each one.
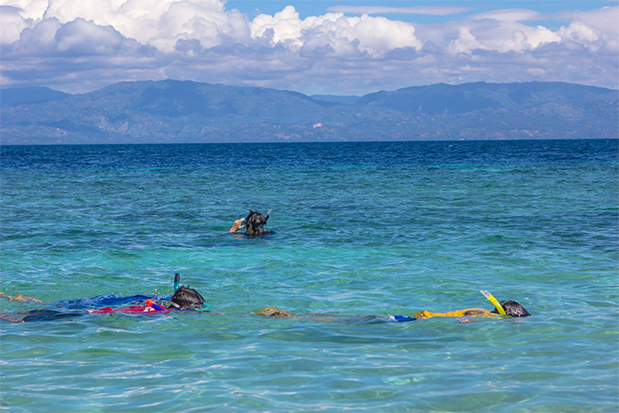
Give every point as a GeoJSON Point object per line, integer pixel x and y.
{"type": "Point", "coordinates": [468, 97]}
{"type": "Point", "coordinates": [182, 111]}
{"type": "Point", "coordinates": [26, 95]}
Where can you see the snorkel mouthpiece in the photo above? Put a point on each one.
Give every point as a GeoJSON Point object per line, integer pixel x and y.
{"type": "Point", "coordinates": [493, 301]}
{"type": "Point", "coordinates": [177, 280]}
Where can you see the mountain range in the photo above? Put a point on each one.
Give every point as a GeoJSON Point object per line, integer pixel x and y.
{"type": "Point", "coordinates": [182, 112]}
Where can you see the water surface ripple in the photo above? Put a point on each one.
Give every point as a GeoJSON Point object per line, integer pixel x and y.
{"type": "Point", "coordinates": [360, 228]}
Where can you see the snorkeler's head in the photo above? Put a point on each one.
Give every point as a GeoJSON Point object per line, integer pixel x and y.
{"type": "Point", "coordinates": [513, 309]}
{"type": "Point", "coordinates": [186, 297]}
{"type": "Point", "coordinates": [254, 223]}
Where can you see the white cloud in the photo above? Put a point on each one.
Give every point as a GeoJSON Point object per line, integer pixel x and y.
{"type": "Point", "coordinates": [30, 9]}
{"type": "Point", "coordinates": [284, 27]}
{"type": "Point", "coordinates": [378, 34]}
{"type": "Point", "coordinates": [77, 46]}
{"type": "Point", "coordinates": [12, 23]}
{"type": "Point", "coordinates": [38, 40]}
{"type": "Point", "coordinates": [465, 43]}
{"type": "Point", "coordinates": [501, 36]}
{"type": "Point", "coordinates": [77, 38]}
{"type": "Point", "coordinates": [159, 23]}
{"type": "Point", "coordinates": [604, 21]}
{"type": "Point", "coordinates": [578, 31]}
{"type": "Point", "coordinates": [502, 30]}
{"type": "Point", "coordinates": [81, 37]}
{"type": "Point", "coordinates": [342, 34]}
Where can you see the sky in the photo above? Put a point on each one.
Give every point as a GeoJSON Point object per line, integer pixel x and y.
{"type": "Point", "coordinates": [313, 47]}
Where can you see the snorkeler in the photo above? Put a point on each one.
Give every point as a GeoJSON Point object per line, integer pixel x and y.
{"type": "Point", "coordinates": [183, 299]}
{"type": "Point", "coordinates": [511, 308]}
{"type": "Point", "coordinates": [254, 224]}
{"type": "Point", "coordinates": [504, 308]}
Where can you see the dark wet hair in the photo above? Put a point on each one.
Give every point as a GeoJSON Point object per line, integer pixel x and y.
{"type": "Point", "coordinates": [254, 223]}
{"type": "Point", "coordinates": [187, 297]}
{"type": "Point", "coordinates": [513, 309]}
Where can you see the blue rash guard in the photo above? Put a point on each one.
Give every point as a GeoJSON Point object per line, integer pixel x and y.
{"type": "Point", "coordinates": [106, 301]}
{"type": "Point", "coordinates": [401, 318]}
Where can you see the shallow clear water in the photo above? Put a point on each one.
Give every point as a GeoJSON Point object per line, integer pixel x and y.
{"type": "Point", "coordinates": [360, 228]}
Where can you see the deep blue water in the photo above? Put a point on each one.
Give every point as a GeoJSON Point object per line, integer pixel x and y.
{"type": "Point", "coordinates": [360, 228]}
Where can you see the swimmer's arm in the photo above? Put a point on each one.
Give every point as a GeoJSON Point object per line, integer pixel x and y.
{"type": "Point", "coordinates": [19, 298]}
{"type": "Point", "coordinates": [237, 225]}
{"type": "Point", "coordinates": [10, 319]}
{"type": "Point", "coordinates": [478, 319]}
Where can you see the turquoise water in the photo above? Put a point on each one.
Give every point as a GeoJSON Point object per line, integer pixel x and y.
{"type": "Point", "coordinates": [367, 228]}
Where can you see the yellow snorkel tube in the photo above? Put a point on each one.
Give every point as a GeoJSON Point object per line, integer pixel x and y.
{"type": "Point", "coordinates": [493, 301]}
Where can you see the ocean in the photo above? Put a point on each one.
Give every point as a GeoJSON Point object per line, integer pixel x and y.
{"type": "Point", "coordinates": [358, 229]}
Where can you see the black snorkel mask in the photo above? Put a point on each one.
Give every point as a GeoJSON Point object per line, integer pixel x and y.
{"type": "Point", "coordinates": [193, 307]}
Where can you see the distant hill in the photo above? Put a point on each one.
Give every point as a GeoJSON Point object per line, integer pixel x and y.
{"type": "Point", "coordinates": [26, 95]}
{"type": "Point", "coordinates": [470, 97]}
{"type": "Point", "coordinates": [182, 111]}
{"type": "Point", "coordinates": [346, 99]}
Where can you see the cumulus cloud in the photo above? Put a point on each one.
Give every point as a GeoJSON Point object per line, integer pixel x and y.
{"type": "Point", "coordinates": [78, 46]}
{"type": "Point", "coordinates": [578, 31]}
{"type": "Point", "coordinates": [160, 23]}
{"type": "Point", "coordinates": [465, 43]}
{"type": "Point", "coordinates": [77, 38]}
{"type": "Point", "coordinates": [603, 21]}
{"type": "Point", "coordinates": [12, 23]}
{"type": "Point", "coordinates": [335, 32]}
{"type": "Point", "coordinates": [283, 27]}
{"type": "Point", "coordinates": [503, 36]}
{"type": "Point", "coordinates": [503, 31]}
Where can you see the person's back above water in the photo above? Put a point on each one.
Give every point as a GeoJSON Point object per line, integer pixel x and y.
{"type": "Point", "coordinates": [254, 224]}
{"type": "Point", "coordinates": [183, 299]}
{"type": "Point", "coordinates": [511, 309]}
{"type": "Point", "coordinates": [506, 308]}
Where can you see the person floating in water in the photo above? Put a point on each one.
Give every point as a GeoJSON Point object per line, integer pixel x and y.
{"type": "Point", "coordinates": [183, 299]}
{"type": "Point", "coordinates": [504, 308]}
{"type": "Point", "coordinates": [511, 308]}
{"type": "Point", "coordinates": [254, 224]}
